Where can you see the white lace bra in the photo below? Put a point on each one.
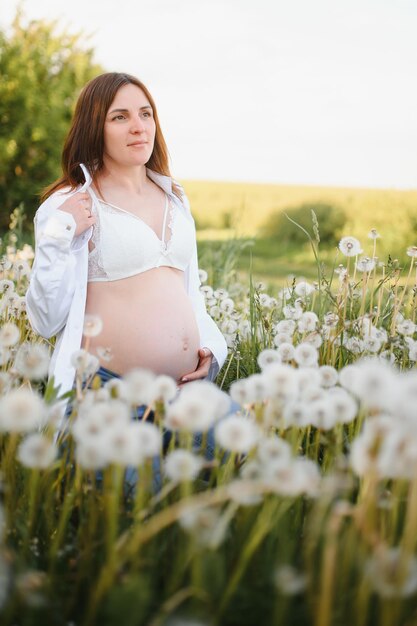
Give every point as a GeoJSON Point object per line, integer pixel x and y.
{"type": "Point", "coordinates": [125, 245]}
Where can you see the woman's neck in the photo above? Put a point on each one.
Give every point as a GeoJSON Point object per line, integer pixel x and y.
{"type": "Point", "coordinates": [131, 179]}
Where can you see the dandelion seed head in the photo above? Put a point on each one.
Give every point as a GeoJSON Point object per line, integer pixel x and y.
{"type": "Point", "coordinates": [237, 434]}
{"type": "Point", "coordinates": [307, 322]}
{"type": "Point", "coordinates": [287, 327]}
{"type": "Point", "coordinates": [268, 356]}
{"type": "Point", "coordinates": [292, 312]}
{"type": "Point", "coordinates": [32, 361]}
{"type": "Point", "coordinates": [240, 392]}
{"type": "Point", "coordinates": [91, 454]}
{"type": "Point", "coordinates": [306, 355]}
{"type": "Point", "coordinates": [289, 580]}
{"type": "Point", "coordinates": [85, 364]}
{"type": "Point", "coordinates": [328, 376]}
{"type": "Point", "coordinates": [343, 405]}
{"type": "Point", "coordinates": [93, 325]}
{"type": "Point", "coordinates": [9, 335]}
{"type": "Point", "coordinates": [303, 289]}
{"type": "Point", "coordinates": [365, 264]}
{"type": "Point", "coordinates": [286, 352]}
{"type": "Point", "coordinates": [274, 450]}
{"type": "Point", "coordinates": [281, 381]}
{"type": "Point", "coordinates": [104, 354]}
{"type": "Point", "coordinates": [138, 383]}
{"type": "Point", "coordinates": [412, 251]}
{"type": "Point", "coordinates": [163, 389]}
{"type": "Point", "coordinates": [21, 410]}
{"type": "Point", "coordinates": [295, 413]}
{"type": "Point", "coordinates": [406, 327]}
{"type": "Point", "coordinates": [203, 276]}
{"type": "Point", "coordinates": [392, 573]}
{"type": "Point", "coordinates": [182, 465]}
{"type": "Point", "coordinates": [6, 285]}
{"type": "Point", "coordinates": [350, 246]}
{"type": "Point", "coordinates": [37, 451]}
{"type": "Point", "coordinates": [148, 438]}
{"type": "Point", "coordinates": [281, 338]}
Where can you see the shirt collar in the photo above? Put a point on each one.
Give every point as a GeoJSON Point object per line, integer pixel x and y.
{"type": "Point", "coordinates": [165, 182]}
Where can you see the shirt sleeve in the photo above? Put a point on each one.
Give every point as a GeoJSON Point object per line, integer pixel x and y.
{"type": "Point", "coordinates": [54, 272]}
{"type": "Point", "coordinates": [210, 335]}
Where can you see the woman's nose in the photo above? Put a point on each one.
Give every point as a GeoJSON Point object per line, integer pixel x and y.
{"type": "Point", "coordinates": [137, 125]}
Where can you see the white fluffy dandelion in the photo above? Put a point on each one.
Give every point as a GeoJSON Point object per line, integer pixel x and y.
{"type": "Point", "coordinates": [121, 445]}
{"type": "Point", "coordinates": [21, 411]}
{"type": "Point", "coordinates": [350, 246]}
{"type": "Point", "coordinates": [32, 361]}
{"type": "Point", "coordinates": [237, 434]}
{"type": "Point", "coordinates": [289, 580]}
{"type": "Point", "coordinates": [181, 465]}
{"type": "Point", "coordinates": [306, 355]}
{"type": "Point", "coordinates": [105, 354]}
{"type": "Point", "coordinates": [138, 383]}
{"type": "Point", "coordinates": [90, 454]}
{"type": "Point", "coordinates": [37, 451]}
{"type": "Point", "coordinates": [303, 289]}
{"type": "Point", "coordinates": [240, 392]}
{"type": "Point", "coordinates": [85, 363]}
{"type": "Point", "coordinates": [412, 251]}
{"type": "Point", "coordinates": [268, 356]}
{"type": "Point", "coordinates": [406, 327]}
{"type": "Point", "coordinates": [188, 414]}
{"type": "Point", "coordinates": [392, 573]}
{"type": "Point", "coordinates": [281, 381]}
{"type": "Point", "coordinates": [9, 335]}
{"type": "Point", "coordinates": [365, 264]}
{"type": "Point", "coordinates": [149, 438]}
{"type": "Point", "coordinates": [328, 376]}
{"type": "Point", "coordinates": [373, 234]}
{"type": "Point", "coordinates": [286, 352]}
{"type": "Point", "coordinates": [274, 450]}
{"type": "Point", "coordinates": [5, 355]}
{"type": "Point", "coordinates": [307, 322]}
{"type": "Point", "coordinates": [163, 389]}
{"type": "Point", "coordinates": [93, 325]}
{"type": "Point", "coordinates": [285, 326]}
{"type": "Point", "coordinates": [281, 338]}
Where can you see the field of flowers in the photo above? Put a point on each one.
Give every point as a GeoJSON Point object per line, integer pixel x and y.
{"type": "Point", "coordinates": [305, 515]}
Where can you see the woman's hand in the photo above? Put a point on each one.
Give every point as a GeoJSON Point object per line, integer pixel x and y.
{"type": "Point", "coordinates": [79, 205]}
{"type": "Point", "coordinates": [205, 359]}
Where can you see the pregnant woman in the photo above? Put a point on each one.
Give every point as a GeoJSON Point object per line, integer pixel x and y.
{"type": "Point", "coordinates": [115, 238]}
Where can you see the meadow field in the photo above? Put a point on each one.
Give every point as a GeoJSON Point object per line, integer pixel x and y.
{"type": "Point", "coordinates": [239, 211]}
{"type": "Point", "coordinates": [287, 493]}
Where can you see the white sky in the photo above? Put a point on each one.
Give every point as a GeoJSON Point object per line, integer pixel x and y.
{"type": "Point", "coordinates": [284, 91]}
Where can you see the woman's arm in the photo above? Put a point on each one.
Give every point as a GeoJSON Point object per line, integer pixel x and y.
{"type": "Point", "coordinates": [56, 268]}
{"type": "Point", "coordinates": [210, 334]}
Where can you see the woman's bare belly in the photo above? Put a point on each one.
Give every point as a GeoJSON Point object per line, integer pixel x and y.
{"type": "Point", "coordinates": [148, 322]}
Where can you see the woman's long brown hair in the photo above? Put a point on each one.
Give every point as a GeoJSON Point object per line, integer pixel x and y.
{"type": "Point", "coordinates": [85, 139]}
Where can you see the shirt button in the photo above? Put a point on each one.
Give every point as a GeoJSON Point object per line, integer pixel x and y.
{"type": "Point", "coordinates": [68, 227]}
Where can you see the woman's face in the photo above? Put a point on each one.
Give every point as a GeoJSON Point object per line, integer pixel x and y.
{"type": "Point", "coordinates": [129, 129]}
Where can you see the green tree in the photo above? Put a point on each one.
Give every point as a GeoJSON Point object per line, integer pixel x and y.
{"type": "Point", "coordinates": [42, 72]}
{"type": "Point", "coordinates": [331, 220]}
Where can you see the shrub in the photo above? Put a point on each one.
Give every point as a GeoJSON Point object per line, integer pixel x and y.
{"type": "Point", "coordinates": [331, 220]}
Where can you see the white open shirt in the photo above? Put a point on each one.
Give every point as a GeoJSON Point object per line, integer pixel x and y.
{"type": "Point", "coordinates": [57, 291]}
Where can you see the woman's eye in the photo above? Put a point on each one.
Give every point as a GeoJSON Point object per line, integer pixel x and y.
{"type": "Point", "coordinates": [119, 117]}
